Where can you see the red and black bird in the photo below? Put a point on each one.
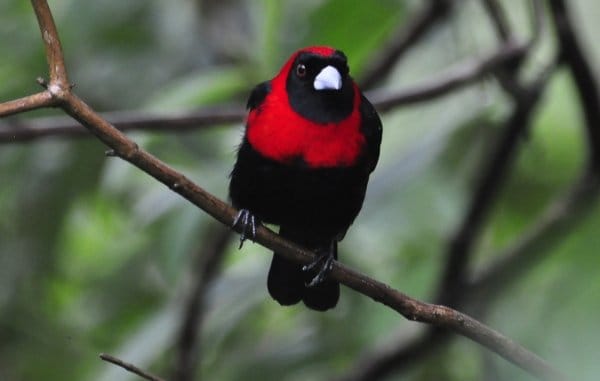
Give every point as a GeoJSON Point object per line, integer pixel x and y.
{"type": "Point", "coordinates": [311, 141]}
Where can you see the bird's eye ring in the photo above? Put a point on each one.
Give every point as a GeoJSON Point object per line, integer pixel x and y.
{"type": "Point", "coordinates": [301, 70]}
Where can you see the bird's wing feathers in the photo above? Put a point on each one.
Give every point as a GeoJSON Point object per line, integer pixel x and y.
{"type": "Point", "coordinates": [258, 95]}
{"type": "Point", "coordinates": [371, 127]}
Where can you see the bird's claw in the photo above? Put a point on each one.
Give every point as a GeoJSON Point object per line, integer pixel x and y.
{"type": "Point", "coordinates": [324, 263]}
{"type": "Point", "coordinates": [248, 222]}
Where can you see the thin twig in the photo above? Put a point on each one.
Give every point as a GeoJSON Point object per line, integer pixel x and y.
{"type": "Point", "coordinates": [54, 55]}
{"type": "Point", "coordinates": [452, 289]}
{"type": "Point", "coordinates": [494, 9]}
{"type": "Point", "coordinates": [129, 367]}
{"type": "Point", "coordinates": [559, 219]}
{"type": "Point", "coordinates": [63, 127]}
{"type": "Point", "coordinates": [408, 36]}
{"type": "Point", "coordinates": [31, 102]}
{"type": "Point", "coordinates": [209, 258]}
{"type": "Point", "coordinates": [459, 76]}
{"type": "Point", "coordinates": [462, 75]}
{"type": "Point", "coordinates": [408, 307]}
{"type": "Point", "coordinates": [492, 175]}
{"type": "Point", "coordinates": [494, 171]}
{"type": "Point", "coordinates": [583, 75]}
{"type": "Point", "coordinates": [393, 358]}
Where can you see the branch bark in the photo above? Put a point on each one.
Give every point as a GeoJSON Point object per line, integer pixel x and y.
{"type": "Point", "coordinates": [209, 258]}
{"type": "Point", "coordinates": [462, 75]}
{"type": "Point", "coordinates": [31, 102]}
{"type": "Point", "coordinates": [583, 75]}
{"type": "Point", "coordinates": [129, 367]}
{"type": "Point", "coordinates": [21, 131]}
{"type": "Point", "coordinates": [493, 173]}
{"type": "Point", "coordinates": [434, 11]}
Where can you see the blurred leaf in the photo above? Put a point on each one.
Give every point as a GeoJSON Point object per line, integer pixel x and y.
{"type": "Point", "coordinates": [355, 27]}
{"type": "Point", "coordinates": [214, 86]}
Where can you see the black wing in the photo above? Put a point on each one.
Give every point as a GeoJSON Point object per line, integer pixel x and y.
{"type": "Point", "coordinates": [371, 127]}
{"type": "Point", "coordinates": [258, 94]}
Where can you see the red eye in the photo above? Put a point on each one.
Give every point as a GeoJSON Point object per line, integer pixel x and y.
{"type": "Point", "coordinates": [300, 70]}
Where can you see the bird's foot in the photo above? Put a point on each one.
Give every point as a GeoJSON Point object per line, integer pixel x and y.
{"type": "Point", "coordinates": [323, 264]}
{"type": "Point", "coordinates": [248, 222]}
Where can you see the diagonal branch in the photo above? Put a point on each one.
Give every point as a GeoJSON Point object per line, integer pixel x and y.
{"type": "Point", "coordinates": [31, 102]}
{"type": "Point", "coordinates": [129, 367]}
{"type": "Point", "coordinates": [408, 307]}
{"type": "Point", "coordinates": [494, 171]}
{"type": "Point", "coordinates": [434, 11]}
{"type": "Point", "coordinates": [209, 260]}
{"type": "Point", "coordinates": [457, 77]}
{"type": "Point", "coordinates": [494, 9]}
{"type": "Point", "coordinates": [31, 130]}
{"type": "Point", "coordinates": [559, 217]}
{"type": "Point", "coordinates": [557, 221]}
{"type": "Point", "coordinates": [583, 75]}
{"type": "Point", "coordinates": [394, 358]}
{"type": "Point", "coordinates": [54, 55]}
{"type": "Point", "coordinates": [480, 206]}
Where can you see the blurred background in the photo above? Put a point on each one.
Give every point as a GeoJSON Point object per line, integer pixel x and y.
{"type": "Point", "coordinates": [96, 256]}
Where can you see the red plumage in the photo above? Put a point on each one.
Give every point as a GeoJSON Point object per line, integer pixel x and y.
{"type": "Point", "coordinates": [282, 133]}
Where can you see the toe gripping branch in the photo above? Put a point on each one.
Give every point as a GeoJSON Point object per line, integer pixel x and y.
{"type": "Point", "coordinates": [248, 222]}
{"type": "Point", "coordinates": [323, 264]}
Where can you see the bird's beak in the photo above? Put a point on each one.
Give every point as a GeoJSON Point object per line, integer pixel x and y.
{"type": "Point", "coordinates": [328, 79]}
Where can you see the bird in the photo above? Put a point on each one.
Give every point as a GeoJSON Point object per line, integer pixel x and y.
{"type": "Point", "coordinates": [310, 143]}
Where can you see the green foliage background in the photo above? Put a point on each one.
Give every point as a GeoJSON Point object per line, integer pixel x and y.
{"type": "Point", "coordinates": [95, 256]}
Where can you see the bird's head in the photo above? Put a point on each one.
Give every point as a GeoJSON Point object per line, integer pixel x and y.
{"type": "Point", "coordinates": [318, 84]}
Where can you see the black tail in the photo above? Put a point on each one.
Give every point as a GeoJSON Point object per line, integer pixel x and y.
{"type": "Point", "coordinates": [287, 282]}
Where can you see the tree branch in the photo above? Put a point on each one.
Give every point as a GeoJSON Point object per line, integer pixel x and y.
{"type": "Point", "coordinates": [559, 219]}
{"type": "Point", "coordinates": [453, 287]}
{"type": "Point", "coordinates": [493, 172]}
{"type": "Point", "coordinates": [129, 367]}
{"type": "Point", "coordinates": [54, 55]}
{"type": "Point", "coordinates": [554, 224]}
{"type": "Point", "coordinates": [434, 11]}
{"type": "Point", "coordinates": [393, 358]}
{"type": "Point", "coordinates": [30, 130]}
{"type": "Point", "coordinates": [583, 75]}
{"type": "Point", "coordinates": [208, 260]}
{"type": "Point", "coordinates": [31, 102]}
{"type": "Point", "coordinates": [494, 9]}
{"type": "Point", "coordinates": [492, 176]}
{"type": "Point", "coordinates": [462, 75]}
{"type": "Point", "coordinates": [457, 77]}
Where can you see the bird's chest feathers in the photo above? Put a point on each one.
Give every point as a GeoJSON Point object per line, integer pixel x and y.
{"type": "Point", "coordinates": [282, 135]}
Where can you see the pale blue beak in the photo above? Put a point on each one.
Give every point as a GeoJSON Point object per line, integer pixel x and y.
{"type": "Point", "coordinates": [328, 79]}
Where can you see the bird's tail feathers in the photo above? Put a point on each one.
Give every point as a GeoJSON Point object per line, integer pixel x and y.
{"type": "Point", "coordinates": [287, 282]}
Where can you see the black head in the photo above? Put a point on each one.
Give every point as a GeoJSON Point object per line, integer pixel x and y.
{"type": "Point", "coordinates": [319, 86]}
